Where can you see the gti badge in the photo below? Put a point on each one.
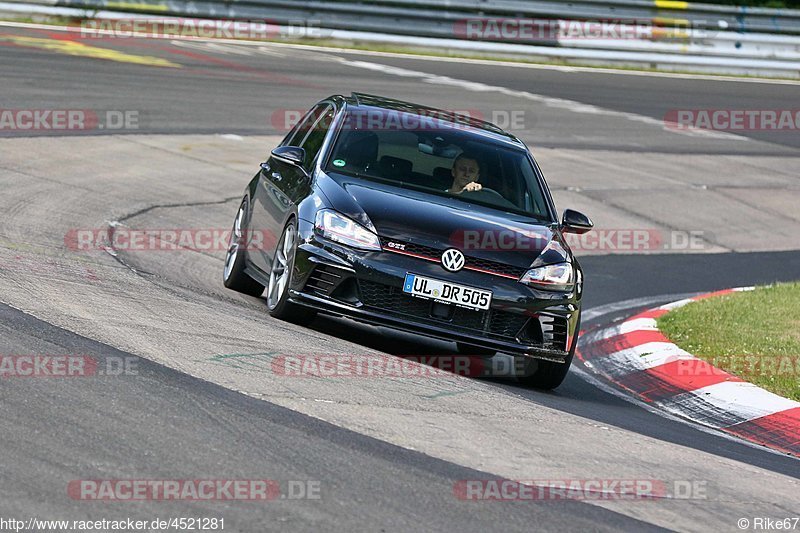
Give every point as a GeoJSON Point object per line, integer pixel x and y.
{"type": "Point", "coordinates": [452, 260]}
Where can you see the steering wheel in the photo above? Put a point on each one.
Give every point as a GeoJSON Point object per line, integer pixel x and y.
{"type": "Point", "coordinates": [490, 194]}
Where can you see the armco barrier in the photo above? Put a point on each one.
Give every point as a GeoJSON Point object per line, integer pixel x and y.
{"type": "Point", "coordinates": [692, 37]}
{"type": "Point", "coordinates": [429, 17]}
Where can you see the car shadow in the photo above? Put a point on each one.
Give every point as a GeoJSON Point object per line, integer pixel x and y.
{"type": "Point", "coordinates": [576, 395]}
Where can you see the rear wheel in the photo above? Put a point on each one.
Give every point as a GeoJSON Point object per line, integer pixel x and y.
{"type": "Point", "coordinates": [233, 276]}
{"type": "Point", "coordinates": [280, 278]}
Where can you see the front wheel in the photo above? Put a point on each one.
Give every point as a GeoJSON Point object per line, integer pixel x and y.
{"type": "Point", "coordinates": [280, 278]}
{"type": "Point", "coordinates": [549, 375]}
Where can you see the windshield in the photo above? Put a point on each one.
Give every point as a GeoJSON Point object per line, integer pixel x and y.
{"type": "Point", "coordinates": [439, 158]}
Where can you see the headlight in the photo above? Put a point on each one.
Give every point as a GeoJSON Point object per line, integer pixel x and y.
{"type": "Point", "coordinates": [339, 228]}
{"type": "Point", "coordinates": [557, 277]}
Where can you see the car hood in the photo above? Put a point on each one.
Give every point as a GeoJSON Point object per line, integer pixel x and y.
{"type": "Point", "coordinates": [402, 215]}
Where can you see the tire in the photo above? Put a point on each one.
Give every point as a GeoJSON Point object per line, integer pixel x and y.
{"type": "Point", "coordinates": [233, 275]}
{"type": "Point", "coordinates": [471, 349]}
{"type": "Point", "coordinates": [280, 278]}
{"type": "Point", "coordinates": [548, 374]}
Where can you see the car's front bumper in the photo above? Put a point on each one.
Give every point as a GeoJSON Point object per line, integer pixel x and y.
{"type": "Point", "coordinates": [367, 286]}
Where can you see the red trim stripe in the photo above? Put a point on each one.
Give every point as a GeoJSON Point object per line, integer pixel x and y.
{"type": "Point", "coordinates": [712, 294]}
{"type": "Point", "coordinates": [492, 272]}
{"type": "Point", "coordinates": [650, 313]}
{"type": "Point", "coordinates": [780, 431]}
{"type": "Point", "coordinates": [626, 341]}
{"type": "Point", "coordinates": [675, 377]}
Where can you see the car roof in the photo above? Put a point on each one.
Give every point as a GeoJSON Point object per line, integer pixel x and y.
{"type": "Point", "coordinates": [363, 101]}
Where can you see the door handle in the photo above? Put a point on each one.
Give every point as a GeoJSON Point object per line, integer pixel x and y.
{"type": "Point", "coordinates": [276, 176]}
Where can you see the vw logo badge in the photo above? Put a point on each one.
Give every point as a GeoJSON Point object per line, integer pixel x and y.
{"type": "Point", "coordinates": [453, 260]}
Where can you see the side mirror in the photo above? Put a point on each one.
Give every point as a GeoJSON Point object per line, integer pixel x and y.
{"type": "Point", "coordinates": [291, 155]}
{"type": "Point", "coordinates": [575, 222]}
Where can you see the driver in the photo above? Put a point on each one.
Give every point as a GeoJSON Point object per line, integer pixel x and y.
{"type": "Point", "coordinates": [466, 173]}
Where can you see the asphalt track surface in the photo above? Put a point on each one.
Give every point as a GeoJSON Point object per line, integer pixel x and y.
{"type": "Point", "coordinates": [385, 456]}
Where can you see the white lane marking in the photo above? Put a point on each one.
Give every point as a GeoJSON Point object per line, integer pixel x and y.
{"type": "Point", "coordinates": [674, 305]}
{"type": "Point", "coordinates": [549, 101]}
{"type": "Point", "coordinates": [646, 356]}
{"type": "Point", "coordinates": [629, 326]}
{"type": "Point", "coordinates": [737, 398]}
{"type": "Point", "coordinates": [226, 49]}
{"type": "Point", "coordinates": [638, 324]}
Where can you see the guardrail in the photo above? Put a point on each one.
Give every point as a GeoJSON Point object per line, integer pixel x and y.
{"type": "Point", "coordinates": [668, 34]}
{"type": "Point", "coordinates": [394, 16]}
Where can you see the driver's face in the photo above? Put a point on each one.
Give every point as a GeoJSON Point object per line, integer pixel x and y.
{"type": "Point", "coordinates": [465, 171]}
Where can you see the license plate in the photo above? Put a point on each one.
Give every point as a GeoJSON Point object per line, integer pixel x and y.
{"type": "Point", "coordinates": [446, 292]}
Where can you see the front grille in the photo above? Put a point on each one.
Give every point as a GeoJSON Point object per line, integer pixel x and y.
{"type": "Point", "coordinates": [493, 266]}
{"type": "Point", "coordinates": [420, 249]}
{"type": "Point", "coordinates": [506, 324]}
{"type": "Point", "coordinates": [392, 300]}
{"type": "Point", "coordinates": [435, 254]}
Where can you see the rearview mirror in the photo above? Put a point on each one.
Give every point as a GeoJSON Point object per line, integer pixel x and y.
{"type": "Point", "coordinates": [575, 222]}
{"type": "Point", "coordinates": [291, 155]}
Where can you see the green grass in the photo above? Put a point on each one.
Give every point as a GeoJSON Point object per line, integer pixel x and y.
{"type": "Point", "coordinates": [754, 335]}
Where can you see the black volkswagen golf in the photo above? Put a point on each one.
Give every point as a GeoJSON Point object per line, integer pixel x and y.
{"type": "Point", "coordinates": [419, 219]}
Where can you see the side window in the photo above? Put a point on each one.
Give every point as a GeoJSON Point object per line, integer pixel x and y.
{"type": "Point", "coordinates": [313, 141]}
{"type": "Point", "coordinates": [533, 197]}
{"type": "Point", "coordinates": [299, 132]}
